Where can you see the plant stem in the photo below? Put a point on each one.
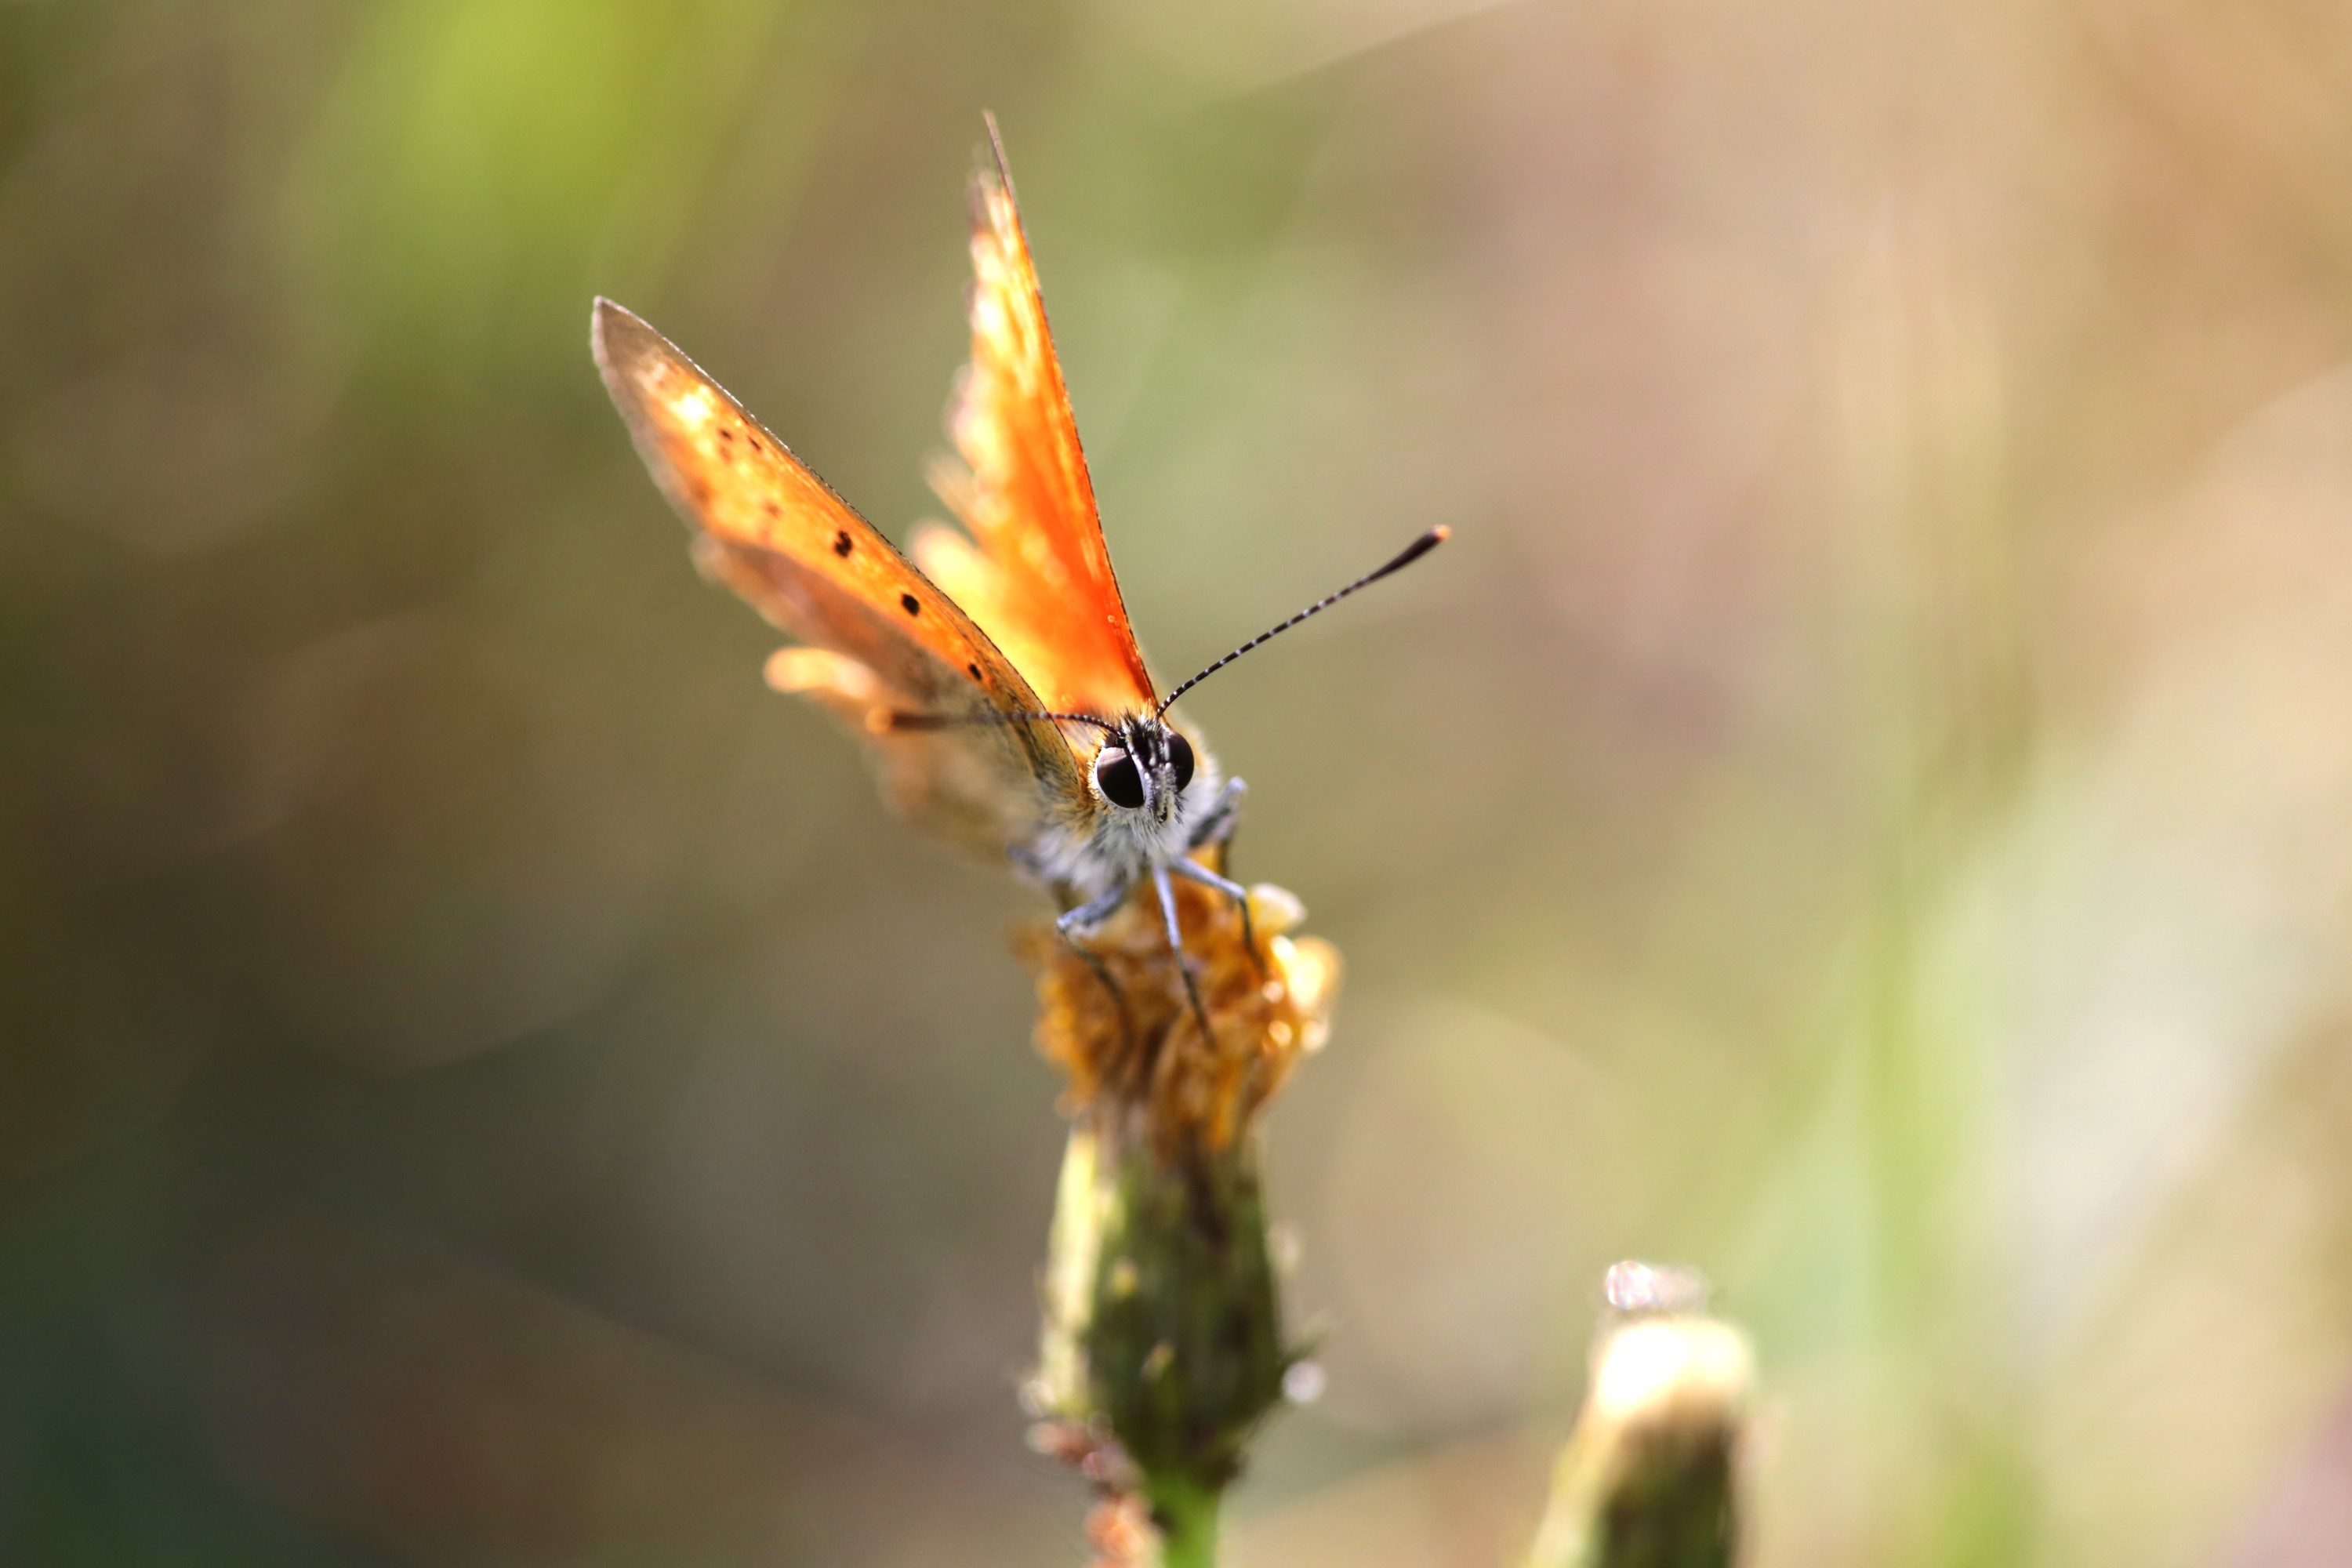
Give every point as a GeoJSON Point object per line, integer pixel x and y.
{"type": "Point", "coordinates": [1187, 1517]}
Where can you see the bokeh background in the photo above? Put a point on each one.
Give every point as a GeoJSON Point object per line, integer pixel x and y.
{"type": "Point", "coordinates": [1864, 805]}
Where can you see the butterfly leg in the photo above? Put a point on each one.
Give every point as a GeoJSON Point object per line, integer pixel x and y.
{"type": "Point", "coordinates": [1216, 828]}
{"type": "Point", "coordinates": [1176, 946]}
{"type": "Point", "coordinates": [1085, 916]}
{"type": "Point", "coordinates": [1193, 870]}
{"type": "Point", "coordinates": [1088, 916]}
{"type": "Point", "coordinates": [1217, 824]}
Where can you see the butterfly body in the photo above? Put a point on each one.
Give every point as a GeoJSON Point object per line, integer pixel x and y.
{"type": "Point", "coordinates": [1147, 811]}
{"type": "Point", "coordinates": [993, 674]}
{"type": "Point", "coordinates": [961, 738]}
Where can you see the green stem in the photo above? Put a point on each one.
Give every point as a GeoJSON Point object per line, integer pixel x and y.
{"type": "Point", "coordinates": [1187, 1517]}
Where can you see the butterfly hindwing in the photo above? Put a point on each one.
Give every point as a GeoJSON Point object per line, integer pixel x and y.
{"type": "Point", "coordinates": [780, 537]}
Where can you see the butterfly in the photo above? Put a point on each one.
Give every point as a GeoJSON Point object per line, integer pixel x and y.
{"type": "Point", "coordinates": [995, 674]}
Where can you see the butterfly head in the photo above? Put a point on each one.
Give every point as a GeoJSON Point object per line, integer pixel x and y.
{"type": "Point", "coordinates": [1143, 766]}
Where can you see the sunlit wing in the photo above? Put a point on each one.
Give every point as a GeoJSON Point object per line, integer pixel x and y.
{"type": "Point", "coordinates": [1034, 572]}
{"type": "Point", "coordinates": [882, 637]}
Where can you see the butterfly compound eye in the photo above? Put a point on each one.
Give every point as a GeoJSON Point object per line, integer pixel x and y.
{"type": "Point", "coordinates": [1119, 778]}
{"type": "Point", "coordinates": [1179, 758]}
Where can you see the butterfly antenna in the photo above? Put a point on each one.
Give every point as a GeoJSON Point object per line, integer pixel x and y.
{"type": "Point", "coordinates": [947, 721]}
{"type": "Point", "coordinates": [1411, 552]}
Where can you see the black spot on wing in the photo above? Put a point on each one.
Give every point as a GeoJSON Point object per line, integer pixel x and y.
{"type": "Point", "coordinates": [911, 605]}
{"type": "Point", "coordinates": [842, 544]}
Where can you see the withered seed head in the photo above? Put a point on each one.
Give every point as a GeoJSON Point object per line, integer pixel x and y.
{"type": "Point", "coordinates": [1148, 1056]}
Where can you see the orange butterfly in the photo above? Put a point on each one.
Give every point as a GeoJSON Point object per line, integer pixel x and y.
{"type": "Point", "coordinates": [1000, 685]}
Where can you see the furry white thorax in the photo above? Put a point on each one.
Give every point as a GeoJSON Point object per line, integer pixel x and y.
{"type": "Point", "coordinates": [1117, 845]}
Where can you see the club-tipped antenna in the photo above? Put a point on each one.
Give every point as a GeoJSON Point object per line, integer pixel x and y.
{"type": "Point", "coordinates": [1411, 554]}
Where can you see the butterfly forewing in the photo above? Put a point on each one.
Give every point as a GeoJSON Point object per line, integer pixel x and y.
{"type": "Point", "coordinates": [1040, 578]}
{"type": "Point", "coordinates": [780, 537]}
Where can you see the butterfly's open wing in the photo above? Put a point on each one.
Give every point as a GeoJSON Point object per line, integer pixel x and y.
{"type": "Point", "coordinates": [1035, 571]}
{"type": "Point", "coordinates": [882, 639]}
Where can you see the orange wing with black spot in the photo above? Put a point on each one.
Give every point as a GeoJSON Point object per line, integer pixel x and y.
{"type": "Point", "coordinates": [1035, 571]}
{"type": "Point", "coordinates": [882, 639]}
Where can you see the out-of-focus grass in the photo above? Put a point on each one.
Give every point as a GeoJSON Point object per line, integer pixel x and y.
{"type": "Point", "coordinates": [1861, 805]}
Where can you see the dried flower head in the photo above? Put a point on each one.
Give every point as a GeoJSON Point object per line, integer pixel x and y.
{"type": "Point", "coordinates": [1139, 1047]}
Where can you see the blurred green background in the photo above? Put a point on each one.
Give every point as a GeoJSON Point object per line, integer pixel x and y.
{"type": "Point", "coordinates": [1861, 806]}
